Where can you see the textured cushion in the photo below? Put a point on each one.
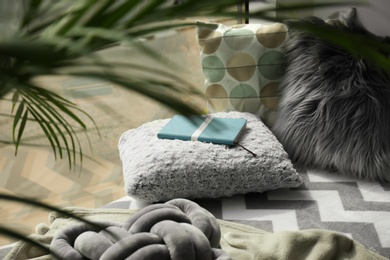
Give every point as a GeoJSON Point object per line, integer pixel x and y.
{"type": "Point", "coordinates": [158, 170]}
{"type": "Point", "coordinates": [242, 66]}
{"type": "Point", "coordinates": [335, 107]}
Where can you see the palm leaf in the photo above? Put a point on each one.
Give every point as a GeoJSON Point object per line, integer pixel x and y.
{"type": "Point", "coordinates": [33, 202]}
{"type": "Point", "coordinates": [49, 133]}
{"type": "Point", "coordinates": [111, 17]}
{"type": "Point", "coordinates": [45, 121]}
{"type": "Point", "coordinates": [23, 115]}
{"type": "Point", "coordinates": [19, 236]}
{"type": "Point", "coordinates": [40, 14]}
{"type": "Point", "coordinates": [41, 105]}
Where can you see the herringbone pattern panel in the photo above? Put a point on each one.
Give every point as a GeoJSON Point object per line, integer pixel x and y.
{"type": "Point", "coordinates": [35, 173]}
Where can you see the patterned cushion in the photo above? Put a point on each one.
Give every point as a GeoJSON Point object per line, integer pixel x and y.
{"type": "Point", "coordinates": [242, 66]}
{"type": "Point", "coordinates": [159, 169]}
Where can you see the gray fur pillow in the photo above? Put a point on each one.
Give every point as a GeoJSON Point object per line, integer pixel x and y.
{"type": "Point", "coordinates": [335, 107]}
{"type": "Point", "coordinates": [159, 169]}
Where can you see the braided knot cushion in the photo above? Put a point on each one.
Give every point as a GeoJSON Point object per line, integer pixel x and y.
{"type": "Point", "coordinates": [177, 229]}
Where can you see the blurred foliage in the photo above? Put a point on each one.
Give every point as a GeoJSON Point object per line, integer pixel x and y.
{"type": "Point", "coordinates": [63, 38]}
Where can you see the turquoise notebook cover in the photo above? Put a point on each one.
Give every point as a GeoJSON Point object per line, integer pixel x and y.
{"type": "Point", "coordinates": [217, 130]}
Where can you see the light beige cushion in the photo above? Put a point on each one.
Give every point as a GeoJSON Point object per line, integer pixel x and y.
{"type": "Point", "coordinates": [242, 66]}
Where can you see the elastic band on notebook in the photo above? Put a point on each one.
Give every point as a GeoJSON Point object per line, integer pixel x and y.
{"type": "Point", "coordinates": [202, 127]}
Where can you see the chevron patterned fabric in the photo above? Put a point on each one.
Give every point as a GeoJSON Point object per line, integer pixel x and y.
{"type": "Point", "coordinates": [357, 208]}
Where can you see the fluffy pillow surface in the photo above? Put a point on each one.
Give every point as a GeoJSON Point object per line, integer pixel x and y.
{"type": "Point", "coordinates": [335, 107]}
{"type": "Point", "coordinates": [159, 169]}
{"type": "Point", "coordinates": [243, 65]}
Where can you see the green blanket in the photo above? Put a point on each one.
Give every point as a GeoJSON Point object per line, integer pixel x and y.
{"type": "Point", "coordinates": [240, 241]}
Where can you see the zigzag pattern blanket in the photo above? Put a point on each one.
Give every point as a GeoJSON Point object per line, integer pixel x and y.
{"type": "Point", "coordinates": [356, 208]}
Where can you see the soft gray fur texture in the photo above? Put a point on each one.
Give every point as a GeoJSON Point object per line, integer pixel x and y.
{"type": "Point", "coordinates": [335, 108]}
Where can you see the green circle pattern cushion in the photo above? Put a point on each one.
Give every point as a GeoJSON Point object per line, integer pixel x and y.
{"type": "Point", "coordinates": [242, 66]}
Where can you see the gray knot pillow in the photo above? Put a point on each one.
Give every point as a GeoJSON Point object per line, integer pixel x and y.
{"type": "Point", "coordinates": [178, 229]}
{"type": "Point", "coordinates": [159, 170]}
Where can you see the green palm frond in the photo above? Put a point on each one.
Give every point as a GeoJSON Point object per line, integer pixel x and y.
{"type": "Point", "coordinates": [19, 236]}
{"type": "Point", "coordinates": [36, 203]}
{"type": "Point", "coordinates": [49, 110]}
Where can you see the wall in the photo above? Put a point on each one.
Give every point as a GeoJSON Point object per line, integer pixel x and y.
{"type": "Point", "coordinates": [260, 5]}
{"type": "Point", "coordinates": [375, 16]}
{"type": "Point", "coordinates": [9, 21]}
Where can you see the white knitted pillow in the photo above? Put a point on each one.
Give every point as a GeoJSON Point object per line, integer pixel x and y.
{"type": "Point", "coordinates": [159, 170]}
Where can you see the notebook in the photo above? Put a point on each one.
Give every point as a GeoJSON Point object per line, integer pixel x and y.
{"type": "Point", "coordinates": [204, 128]}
